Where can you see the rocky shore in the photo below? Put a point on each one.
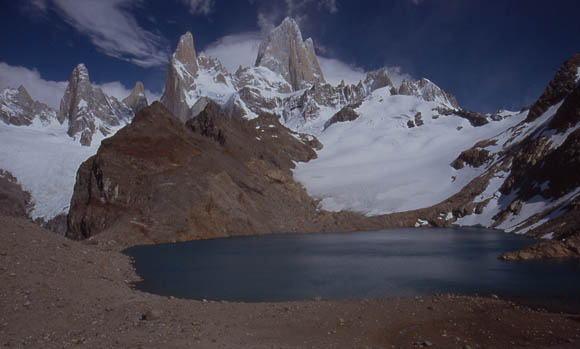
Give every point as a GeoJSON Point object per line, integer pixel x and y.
{"type": "Point", "coordinates": [58, 293]}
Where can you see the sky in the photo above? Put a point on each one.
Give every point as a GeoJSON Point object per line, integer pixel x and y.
{"type": "Point", "coordinates": [491, 54]}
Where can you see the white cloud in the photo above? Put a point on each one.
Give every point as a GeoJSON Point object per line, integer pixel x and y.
{"type": "Point", "coordinates": [203, 7]}
{"type": "Point", "coordinates": [397, 76]}
{"type": "Point", "coordinates": [334, 71]}
{"type": "Point", "coordinates": [51, 92]}
{"type": "Point", "coordinates": [112, 29]}
{"type": "Point", "coordinates": [271, 12]}
{"type": "Point", "coordinates": [45, 91]}
{"type": "Point", "coordinates": [235, 50]}
{"type": "Point", "coordinates": [119, 91]}
{"type": "Point", "coordinates": [242, 49]}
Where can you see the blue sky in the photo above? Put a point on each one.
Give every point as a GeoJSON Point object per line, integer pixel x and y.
{"type": "Point", "coordinates": [490, 54]}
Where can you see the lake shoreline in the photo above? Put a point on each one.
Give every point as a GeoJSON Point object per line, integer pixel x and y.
{"type": "Point", "coordinates": [61, 293]}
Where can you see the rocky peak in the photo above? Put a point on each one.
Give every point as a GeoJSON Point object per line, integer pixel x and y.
{"type": "Point", "coordinates": [18, 108]}
{"type": "Point", "coordinates": [377, 79]}
{"type": "Point", "coordinates": [137, 99]}
{"type": "Point", "coordinates": [185, 53]}
{"type": "Point", "coordinates": [87, 108]}
{"type": "Point", "coordinates": [428, 91]}
{"type": "Point", "coordinates": [181, 74]}
{"type": "Point", "coordinates": [22, 96]}
{"type": "Point", "coordinates": [561, 86]}
{"type": "Point", "coordinates": [283, 51]}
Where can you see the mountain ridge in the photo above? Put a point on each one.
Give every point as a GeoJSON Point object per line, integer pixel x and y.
{"type": "Point", "coordinates": [373, 142]}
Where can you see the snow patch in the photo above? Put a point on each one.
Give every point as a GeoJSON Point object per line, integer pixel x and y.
{"type": "Point", "coordinates": [548, 236]}
{"type": "Point", "coordinates": [515, 223]}
{"type": "Point", "coordinates": [421, 222]}
{"type": "Point", "coordinates": [45, 161]}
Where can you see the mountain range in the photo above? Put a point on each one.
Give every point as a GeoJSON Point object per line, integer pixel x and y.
{"type": "Point", "coordinates": [274, 148]}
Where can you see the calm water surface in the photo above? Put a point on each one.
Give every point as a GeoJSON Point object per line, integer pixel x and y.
{"type": "Point", "coordinates": [399, 262]}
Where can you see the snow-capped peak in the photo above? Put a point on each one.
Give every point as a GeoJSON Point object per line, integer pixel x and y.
{"type": "Point", "coordinates": [87, 109]}
{"type": "Point", "coordinates": [428, 91]}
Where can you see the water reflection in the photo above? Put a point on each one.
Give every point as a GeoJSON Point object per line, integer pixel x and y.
{"type": "Point", "coordinates": [400, 262]}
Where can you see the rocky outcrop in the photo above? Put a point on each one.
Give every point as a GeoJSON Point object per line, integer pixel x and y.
{"type": "Point", "coordinates": [18, 108]}
{"type": "Point", "coordinates": [428, 91]}
{"type": "Point", "coordinates": [283, 51]}
{"type": "Point", "coordinates": [559, 88]}
{"type": "Point", "coordinates": [378, 79]}
{"type": "Point", "coordinates": [476, 119]}
{"type": "Point", "coordinates": [347, 113]}
{"type": "Point", "coordinates": [137, 99]}
{"type": "Point", "coordinates": [306, 106]}
{"type": "Point", "coordinates": [88, 109]}
{"type": "Point", "coordinates": [180, 80]}
{"type": "Point", "coordinates": [474, 157]}
{"type": "Point", "coordinates": [213, 176]}
{"type": "Point", "coordinates": [567, 248]}
{"type": "Point", "coordinates": [14, 201]}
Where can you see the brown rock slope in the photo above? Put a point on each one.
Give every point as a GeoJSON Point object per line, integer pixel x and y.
{"type": "Point", "coordinates": [158, 180]}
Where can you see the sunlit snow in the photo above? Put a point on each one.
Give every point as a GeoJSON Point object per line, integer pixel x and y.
{"type": "Point", "coordinates": [376, 164]}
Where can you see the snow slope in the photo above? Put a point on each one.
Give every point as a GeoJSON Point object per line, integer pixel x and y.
{"type": "Point", "coordinates": [376, 164]}
{"type": "Point", "coordinates": [45, 161]}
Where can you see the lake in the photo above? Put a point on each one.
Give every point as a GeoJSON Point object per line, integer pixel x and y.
{"type": "Point", "coordinates": [388, 263]}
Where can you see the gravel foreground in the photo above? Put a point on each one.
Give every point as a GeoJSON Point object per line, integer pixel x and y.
{"type": "Point", "coordinates": [57, 293]}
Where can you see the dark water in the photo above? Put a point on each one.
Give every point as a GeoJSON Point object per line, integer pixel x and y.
{"type": "Point", "coordinates": [400, 262]}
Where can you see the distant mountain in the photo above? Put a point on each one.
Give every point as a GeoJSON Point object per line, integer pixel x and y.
{"type": "Point", "coordinates": [18, 108]}
{"type": "Point", "coordinates": [42, 148]}
{"type": "Point", "coordinates": [284, 52]}
{"type": "Point", "coordinates": [379, 154]}
{"type": "Point", "coordinates": [137, 100]}
{"type": "Point", "coordinates": [88, 109]}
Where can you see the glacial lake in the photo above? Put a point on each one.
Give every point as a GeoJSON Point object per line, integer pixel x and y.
{"type": "Point", "coordinates": [388, 263]}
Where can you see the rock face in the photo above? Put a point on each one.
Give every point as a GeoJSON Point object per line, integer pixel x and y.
{"type": "Point", "coordinates": [88, 109]}
{"type": "Point", "coordinates": [18, 108]}
{"type": "Point", "coordinates": [347, 113]}
{"type": "Point", "coordinates": [536, 165]}
{"type": "Point", "coordinates": [378, 79]}
{"type": "Point", "coordinates": [559, 87]}
{"type": "Point", "coordinates": [213, 176]}
{"type": "Point", "coordinates": [283, 51]}
{"type": "Point", "coordinates": [14, 201]}
{"type": "Point", "coordinates": [180, 80]}
{"type": "Point", "coordinates": [137, 99]}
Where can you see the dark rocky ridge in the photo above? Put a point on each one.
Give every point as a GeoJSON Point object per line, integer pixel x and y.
{"type": "Point", "coordinates": [14, 201]}
{"type": "Point", "coordinates": [559, 87]}
{"type": "Point", "coordinates": [540, 171]}
{"type": "Point", "coordinates": [211, 177]}
{"type": "Point", "coordinates": [347, 113]}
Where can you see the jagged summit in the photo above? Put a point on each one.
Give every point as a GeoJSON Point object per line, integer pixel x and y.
{"type": "Point", "coordinates": [88, 109]}
{"type": "Point", "coordinates": [377, 79]}
{"type": "Point", "coordinates": [185, 52]}
{"type": "Point", "coordinates": [181, 74]}
{"type": "Point", "coordinates": [428, 91]}
{"type": "Point", "coordinates": [137, 99]}
{"type": "Point", "coordinates": [18, 108]}
{"type": "Point", "coordinates": [283, 51]}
